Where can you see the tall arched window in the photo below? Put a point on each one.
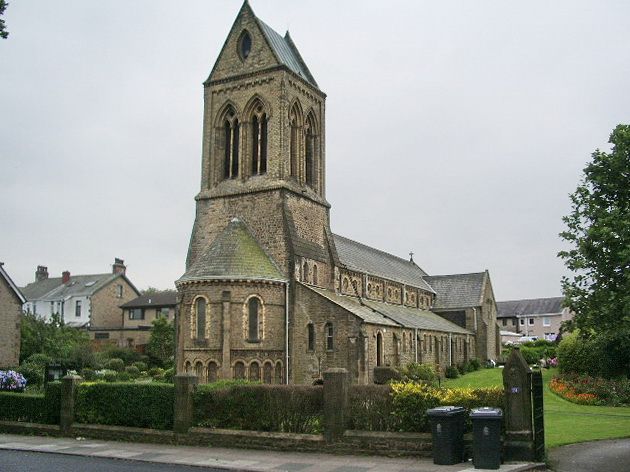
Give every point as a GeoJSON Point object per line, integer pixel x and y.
{"type": "Point", "coordinates": [259, 139]}
{"type": "Point", "coordinates": [188, 367]}
{"type": "Point", "coordinates": [395, 350]}
{"type": "Point", "coordinates": [231, 128]}
{"type": "Point", "coordinates": [310, 152]}
{"type": "Point", "coordinates": [330, 336]}
{"type": "Point", "coordinates": [294, 143]}
{"type": "Point", "coordinates": [310, 330]}
{"type": "Point", "coordinates": [305, 272]}
{"type": "Point", "coordinates": [199, 371]}
{"type": "Point", "coordinates": [379, 349]}
{"type": "Point", "coordinates": [200, 308]}
{"type": "Point", "coordinates": [253, 320]}
{"type": "Point", "coordinates": [314, 274]}
{"type": "Point", "coordinates": [239, 370]}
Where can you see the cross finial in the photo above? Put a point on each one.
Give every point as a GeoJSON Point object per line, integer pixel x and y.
{"type": "Point", "coordinates": [411, 256]}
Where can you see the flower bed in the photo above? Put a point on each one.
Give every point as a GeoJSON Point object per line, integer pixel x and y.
{"type": "Point", "coordinates": [586, 390]}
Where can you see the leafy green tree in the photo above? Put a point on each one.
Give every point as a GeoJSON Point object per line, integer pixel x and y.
{"type": "Point", "coordinates": [3, 32]}
{"type": "Point", "coordinates": [161, 346]}
{"type": "Point", "coordinates": [598, 230]}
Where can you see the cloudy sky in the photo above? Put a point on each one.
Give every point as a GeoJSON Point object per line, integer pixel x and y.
{"type": "Point", "coordinates": [455, 129]}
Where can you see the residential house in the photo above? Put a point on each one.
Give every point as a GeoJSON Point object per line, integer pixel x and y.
{"type": "Point", "coordinates": [83, 301]}
{"type": "Point", "coordinates": [11, 300]}
{"type": "Point", "coordinates": [537, 317]}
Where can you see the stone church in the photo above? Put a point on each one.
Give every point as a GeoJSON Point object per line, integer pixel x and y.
{"type": "Point", "coordinates": [269, 292]}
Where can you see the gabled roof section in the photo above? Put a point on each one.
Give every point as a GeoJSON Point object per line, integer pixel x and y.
{"type": "Point", "coordinates": [78, 286]}
{"type": "Point", "coordinates": [457, 290]}
{"type": "Point", "coordinates": [532, 306]}
{"type": "Point", "coordinates": [11, 284]}
{"type": "Point", "coordinates": [286, 52]}
{"type": "Point", "coordinates": [283, 48]}
{"type": "Point", "coordinates": [361, 258]}
{"type": "Point", "coordinates": [234, 255]}
{"type": "Point", "coordinates": [159, 299]}
{"type": "Point", "coordinates": [386, 314]}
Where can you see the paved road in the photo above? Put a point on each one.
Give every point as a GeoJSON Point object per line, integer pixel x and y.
{"type": "Point", "coordinates": [23, 461]}
{"type": "Point", "coordinates": [598, 456]}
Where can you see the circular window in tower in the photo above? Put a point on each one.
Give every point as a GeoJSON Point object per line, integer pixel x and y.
{"type": "Point", "coordinates": [245, 45]}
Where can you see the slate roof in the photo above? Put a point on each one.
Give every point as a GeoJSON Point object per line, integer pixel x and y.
{"type": "Point", "coordinates": [233, 255]}
{"type": "Point", "coordinates": [11, 284]}
{"type": "Point", "coordinates": [78, 286]}
{"type": "Point", "coordinates": [163, 299]}
{"type": "Point", "coordinates": [533, 306]}
{"type": "Point", "coordinates": [391, 315]}
{"type": "Point", "coordinates": [285, 50]}
{"type": "Point", "coordinates": [457, 290]}
{"type": "Point", "coordinates": [361, 258]}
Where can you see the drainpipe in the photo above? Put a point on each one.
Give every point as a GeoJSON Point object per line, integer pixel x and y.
{"type": "Point", "coordinates": [475, 319]}
{"type": "Point", "coordinates": [286, 333]}
{"type": "Point", "coordinates": [450, 349]}
{"type": "Point", "coordinates": [415, 342]}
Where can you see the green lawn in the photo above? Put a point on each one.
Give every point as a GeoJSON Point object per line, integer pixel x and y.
{"type": "Point", "coordinates": [565, 422]}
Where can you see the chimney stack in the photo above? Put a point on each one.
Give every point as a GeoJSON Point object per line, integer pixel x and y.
{"type": "Point", "coordinates": [65, 277]}
{"type": "Point", "coordinates": [119, 266]}
{"type": "Point", "coordinates": [41, 273]}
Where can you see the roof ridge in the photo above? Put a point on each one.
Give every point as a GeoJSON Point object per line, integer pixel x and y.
{"type": "Point", "coordinates": [378, 250]}
{"type": "Point", "coordinates": [530, 299]}
{"type": "Point", "coordinates": [453, 275]}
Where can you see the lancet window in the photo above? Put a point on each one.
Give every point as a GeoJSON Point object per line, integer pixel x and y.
{"type": "Point", "coordinates": [231, 136]}
{"type": "Point", "coordinates": [259, 140]}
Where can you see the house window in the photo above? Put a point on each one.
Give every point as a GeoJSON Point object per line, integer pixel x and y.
{"type": "Point", "coordinates": [136, 313]}
{"type": "Point", "coordinates": [52, 308]}
{"type": "Point", "coordinates": [530, 321]}
{"type": "Point", "coordinates": [119, 291]}
{"type": "Point", "coordinates": [310, 328]}
{"type": "Point", "coordinates": [330, 340]}
{"type": "Point", "coordinates": [253, 322]}
{"type": "Point", "coordinates": [77, 309]}
{"type": "Point", "coordinates": [34, 308]}
{"type": "Point", "coordinates": [201, 318]}
{"type": "Point", "coordinates": [101, 335]}
{"type": "Point", "coordinates": [546, 321]}
{"type": "Point", "coordinates": [162, 312]}
{"type": "Point", "coordinates": [521, 321]}
{"type": "Point", "coordinates": [504, 321]}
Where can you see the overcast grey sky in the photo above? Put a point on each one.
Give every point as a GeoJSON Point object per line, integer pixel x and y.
{"type": "Point", "coordinates": [455, 129]}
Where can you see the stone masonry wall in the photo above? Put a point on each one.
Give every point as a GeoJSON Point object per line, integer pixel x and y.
{"type": "Point", "coordinates": [10, 317]}
{"type": "Point", "coordinates": [105, 311]}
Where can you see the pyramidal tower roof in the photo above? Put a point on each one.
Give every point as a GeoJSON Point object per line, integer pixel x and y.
{"type": "Point", "coordinates": [282, 47]}
{"type": "Point", "coordinates": [233, 255]}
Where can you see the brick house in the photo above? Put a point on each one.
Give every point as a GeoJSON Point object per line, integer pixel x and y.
{"type": "Point", "coordinates": [83, 301]}
{"type": "Point", "coordinates": [538, 317]}
{"type": "Point", "coordinates": [269, 292]}
{"type": "Point", "coordinates": [11, 300]}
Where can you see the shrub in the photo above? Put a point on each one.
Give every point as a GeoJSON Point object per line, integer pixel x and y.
{"type": "Point", "coordinates": [283, 408]}
{"type": "Point", "coordinates": [123, 377]}
{"type": "Point", "coordinates": [383, 375]}
{"type": "Point", "coordinates": [451, 372]}
{"type": "Point", "coordinates": [416, 372]}
{"type": "Point", "coordinates": [38, 359]}
{"type": "Point", "coordinates": [52, 396]}
{"type": "Point", "coordinates": [474, 364]}
{"type": "Point", "coordinates": [128, 356]}
{"type": "Point", "coordinates": [169, 374]}
{"type": "Point", "coordinates": [156, 372]}
{"type": "Point", "coordinates": [132, 371]}
{"type": "Point", "coordinates": [370, 408]}
{"type": "Point", "coordinates": [109, 375]}
{"type": "Point", "coordinates": [33, 373]}
{"type": "Point", "coordinates": [115, 364]}
{"type": "Point", "coordinates": [88, 374]}
{"type": "Point", "coordinates": [142, 366]}
{"type": "Point", "coordinates": [148, 405]}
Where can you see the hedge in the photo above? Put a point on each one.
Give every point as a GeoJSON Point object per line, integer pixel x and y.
{"type": "Point", "coordinates": [126, 404]}
{"type": "Point", "coordinates": [402, 406]}
{"type": "Point", "coordinates": [32, 408]}
{"type": "Point", "coordinates": [279, 408]}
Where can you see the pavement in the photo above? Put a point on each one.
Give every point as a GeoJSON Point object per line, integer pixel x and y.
{"type": "Point", "coordinates": [611, 456]}
{"type": "Point", "coordinates": [237, 459]}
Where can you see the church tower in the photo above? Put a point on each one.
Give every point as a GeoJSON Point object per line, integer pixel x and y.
{"type": "Point", "coordinates": [262, 219]}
